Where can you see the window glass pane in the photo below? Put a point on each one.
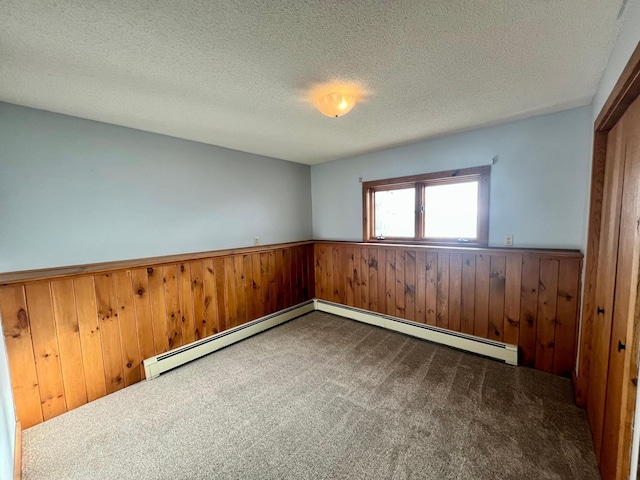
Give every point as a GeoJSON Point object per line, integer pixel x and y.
{"type": "Point", "coordinates": [395, 213]}
{"type": "Point", "coordinates": [451, 211]}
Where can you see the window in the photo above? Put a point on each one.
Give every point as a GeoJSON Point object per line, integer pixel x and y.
{"type": "Point", "coordinates": [444, 208]}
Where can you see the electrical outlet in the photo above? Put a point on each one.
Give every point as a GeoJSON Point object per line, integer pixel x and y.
{"type": "Point", "coordinates": [508, 240]}
{"type": "Point", "coordinates": [256, 241]}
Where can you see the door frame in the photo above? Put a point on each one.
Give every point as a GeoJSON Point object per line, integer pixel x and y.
{"type": "Point", "coordinates": [626, 90]}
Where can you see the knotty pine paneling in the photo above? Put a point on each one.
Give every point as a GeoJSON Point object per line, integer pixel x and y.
{"type": "Point", "coordinates": [79, 337]}
{"type": "Point", "coordinates": [524, 297]}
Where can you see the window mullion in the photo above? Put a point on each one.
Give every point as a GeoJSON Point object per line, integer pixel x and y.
{"type": "Point", "coordinates": [419, 228]}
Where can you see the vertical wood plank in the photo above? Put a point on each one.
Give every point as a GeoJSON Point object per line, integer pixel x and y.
{"type": "Point", "coordinates": [337, 277]}
{"type": "Point", "coordinates": [375, 280]}
{"type": "Point", "coordinates": [272, 282]}
{"type": "Point", "coordinates": [303, 268]}
{"type": "Point", "coordinates": [311, 292]}
{"type": "Point", "coordinates": [158, 309]}
{"type": "Point", "coordinates": [323, 274]}
{"type": "Point", "coordinates": [442, 291]}
{"type": "Point", "coordinates": [331, 288]}
{"type": "Point", "coordinates": [400, 277]}
{"type": "Point", "coordinates": [421, 287]}
{"type": "Point", "coordinates": [290, 276]}
{"type": "Point", "coordinates": [22, 366]}
{"type": "Point", "coordinates": [128, 327]}
{"type": "Point", "coordinates": [468, 300]}
{"type": "Point", "coordinates": [410, 285]}
{"type": "Point", "coordinates": [483, 272]}
{"type": "Point", "coordinates": [567, 313]}
{"type": "Point", "coordinates": [288, 283]}
{"type": "Point", "coordinates": [302, 275]}
{"type": "Point", "coordinates": [311, 272]}
{"type": "Point", "coordinates": [109, 331]}
{"type": "Point", "coordinates": [390, 274]}
{"type": "Point", "coordinates": [547, 301]}
{"type": "Point", "coordinates": [230, 292]}
{"type": "Point", "coordinates": [67, 329]}
{"type": "Point", "coordinates": [349, 264]}
{"type": "Point", "coordinates": [280, 280]}
{"type": "Point", "coordinates": [45, 349]}
{"type": "Point", "coordinates": [320, 274]}
{"type": "Point", "coordinates": [431, 269]}
{"type": "Point", "coordinates": [247, 268]}
{"type": "Point", "coordinates": [197, 295]}
{"type": "Point", "coordinates": [357, 276]}
{"type": "Point", "coordinates": [90, 340]}
{"type": "Point", "coordinates": [172, 302]}
{"type": "Point", "coordinates": [186, 321]}
{"type": "Point", "coordinates": [210, 295]}
{"type": "Point", "coordinates": [513, 289]}
{"type": "Point", "coordinates": [295, 275]}
{"type": "Point", "coordinates": [264, 276]}
{"type": "Point", "coordinates": [257, 295]}
{"type": "Point", "coordinates": [221, 295]}
{"type": "Point", "coordinates": [496, 297]}
{"type": "Point", "coordinates": [142, 308]}
{"type": "Point", "coordinates": [382, 280]}
{"type": "Point", "coordinates": [364, 278]}
{"type": "Point", "coordinates": [529, 309]}
{"type": "Point", "coordinates": [241, 300]}
{"type": "Point", "coordinates": [455, 291]}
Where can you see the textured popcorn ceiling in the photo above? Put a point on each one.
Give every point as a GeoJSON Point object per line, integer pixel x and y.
{"type": "Point", "coordinates": [238, 73]}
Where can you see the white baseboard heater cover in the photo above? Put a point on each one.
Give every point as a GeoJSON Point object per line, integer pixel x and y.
{"type": "Point", "coordinates": [487, 348]}
{"type": "Point", "coordinates": [164, 362]}
{"type": "Point", "coordinates": [154, 366]}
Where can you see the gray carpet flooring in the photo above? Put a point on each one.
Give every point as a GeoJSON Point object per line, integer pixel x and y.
{"type": "Point", "coordinates": [322, 397]}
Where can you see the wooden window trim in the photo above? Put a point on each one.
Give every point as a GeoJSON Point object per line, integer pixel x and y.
{"type": "Point", "coordinates": [420, 182]}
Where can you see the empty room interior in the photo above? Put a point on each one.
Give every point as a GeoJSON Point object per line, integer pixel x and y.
{"type": "Point", "coordinates": [252, 239]}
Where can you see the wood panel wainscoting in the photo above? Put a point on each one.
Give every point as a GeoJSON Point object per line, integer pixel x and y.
{"type": "Point", "coordinates": [76, 334]}
{"type": "Point", "coordinates": [528, 298]}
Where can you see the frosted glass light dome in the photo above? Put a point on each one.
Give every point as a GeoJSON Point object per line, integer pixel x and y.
{"type": "Point", "coordinates": [335, 104]}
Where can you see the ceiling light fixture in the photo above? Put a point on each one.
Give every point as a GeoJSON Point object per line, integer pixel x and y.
{"type": "Point", "coordinates": [335, 104]}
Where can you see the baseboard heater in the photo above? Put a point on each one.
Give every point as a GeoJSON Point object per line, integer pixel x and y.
{"type": "Point", "coordinates": [481, 346]}
{"type": "Point", "coordinates": [162, 363]}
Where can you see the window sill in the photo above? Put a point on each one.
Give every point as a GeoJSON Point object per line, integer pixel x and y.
{"type": "Point", "coordinates": [426, 243]}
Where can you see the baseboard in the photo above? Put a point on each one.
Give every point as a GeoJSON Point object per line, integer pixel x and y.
{"type": "Point", "coordinates": [159, 364]}
{"type": "Point", "coordinates": [155, 366]}
{"type": "Point", "coordinates": [481, 346]}
{"type": "Point", "coordinates": [17, 458]}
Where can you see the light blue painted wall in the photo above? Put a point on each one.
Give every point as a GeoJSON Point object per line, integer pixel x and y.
{"type": "Point", "coordinates": [539, 185]}
{"type": "Point", "coordinates": [74, 191]}
{"type": "Point", "coordinates": [7, 415]}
